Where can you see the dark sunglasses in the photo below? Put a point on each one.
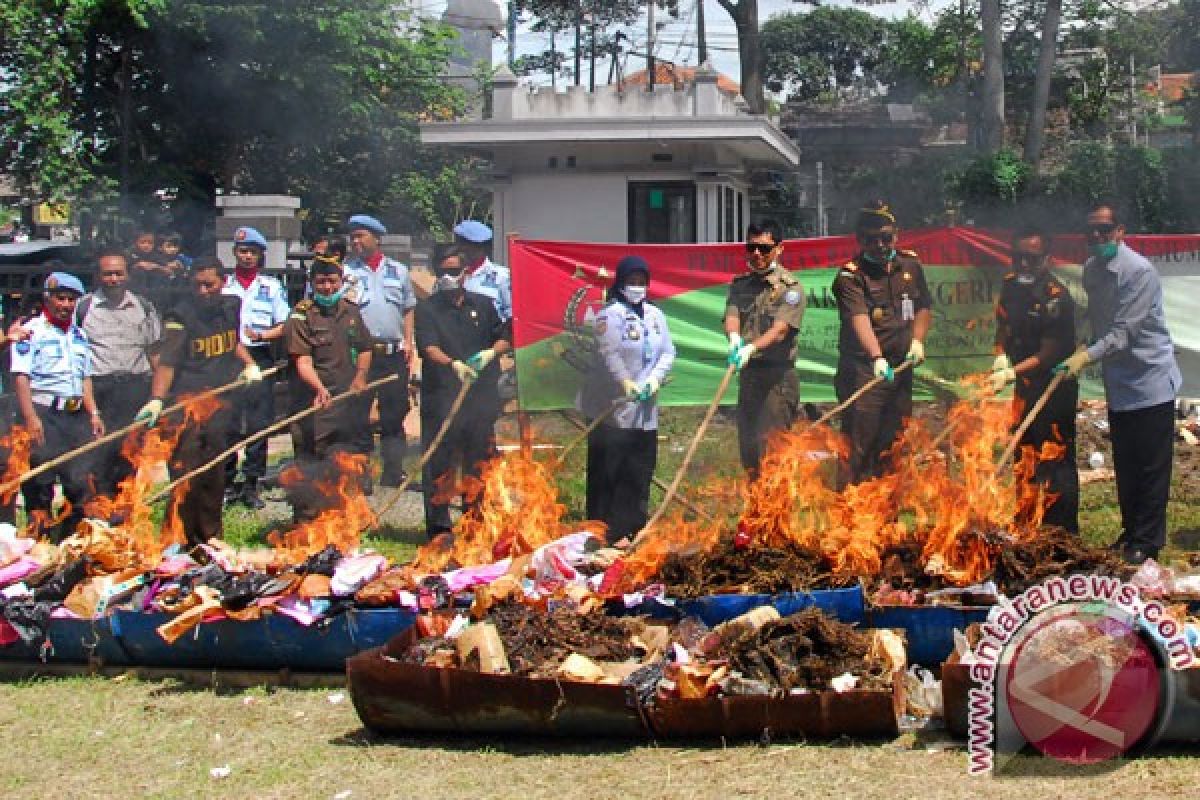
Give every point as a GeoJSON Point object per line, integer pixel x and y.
{"type": "Point", "coordinates": [1028, 258]}
{"type": "Point", "coordinates": [759, 247]}
{"type": "Point", "coordinates": [882, 238]}
{"type": "Point", "coordinates": [1104, 229]}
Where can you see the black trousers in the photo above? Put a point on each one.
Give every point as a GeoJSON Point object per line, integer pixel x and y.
{"type": "Point", "coordinates": [1055, 423]}
{"type": "Point", "coordinates": [253, 410]}
{"type": "Point", "coordinates": [197, 503]}
{"type": "Point", "coordinates": [393, 408]}
{"type": "Point", "coordinates": [119, 398]}
{"type": "Point", "coordinates": [316, 441]}
{"type": "Point", "coordinates": [768, 401]}
{"type": "Point", "coordinates": [63, 431]}
{"type": "Point", "coordinates": [469, 443]}
{"type": "Point", "coordinates": [873, 421]}
{"type": "Point", "coordinates": [1143, 443]}
{"type": "Point", "coordinates": [620, 466]}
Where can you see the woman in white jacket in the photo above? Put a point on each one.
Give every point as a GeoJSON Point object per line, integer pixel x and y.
{"type": "Point", "coordinates": [634, 354]}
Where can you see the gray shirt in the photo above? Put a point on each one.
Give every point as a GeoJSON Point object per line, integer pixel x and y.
{"type": "Point", "coordinates": [1125, 310]}
{"type": "Point", "coordinates": [121, 334]}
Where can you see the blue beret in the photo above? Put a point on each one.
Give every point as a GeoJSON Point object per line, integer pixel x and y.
{"type": "Point", "coordinates": [249, 236]}
{"type": "Point", "coordinates": [473, 231]}
{"type": "Point", "coordinates": [366, 222]}
{"type": "Point", "coordinates": [63, 282]}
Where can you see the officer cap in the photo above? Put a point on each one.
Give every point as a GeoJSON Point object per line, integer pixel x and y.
{"type": "Point", "coordinates": [249, 236]}
{"type": "Point", "coordinates": [473, 231]}
{"type": "Point", "coordinates": [367, 223]}
{"type": "Point", "coordinates": [63, 282]}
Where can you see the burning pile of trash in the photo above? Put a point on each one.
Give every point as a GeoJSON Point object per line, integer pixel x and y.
{"type": "Point", "coordinates": [758, 653]}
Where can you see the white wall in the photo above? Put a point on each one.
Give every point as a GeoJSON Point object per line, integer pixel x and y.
{"type": "Point", "coordinates": [584, 207]}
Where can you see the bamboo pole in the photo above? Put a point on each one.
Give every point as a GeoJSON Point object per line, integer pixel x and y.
{"type": "Point", "coordinates": [122, 432]}
{"type": "Point", "coordinates": [586, 431]}
{"type": "Point", "coordinates": [1011, 450]}
{"type": "Point", "coordinates": [455, 407]}
{"type": "Point", "coordinates": [849, 401]}
{"type": "Point", "coordinates": [265, 432]}
{"type": "Point", "coordinates": [670, 491]}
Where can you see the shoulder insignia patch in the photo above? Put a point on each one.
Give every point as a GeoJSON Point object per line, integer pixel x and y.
{"type": "Point", "coordinates": [602, 323]}
{"type": "Point", "coordinates": [792, 297]}
{"type": "Point", "coordinates": [23, 347]}
{"type": "Point", "coordinates": [909, 253]}
{"type": "Point", "coordinates": [173, 324]}
{"type": "Point", "coordinates": [850, 266]}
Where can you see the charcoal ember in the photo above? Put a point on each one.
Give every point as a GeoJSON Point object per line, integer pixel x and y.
{"type": "Point", "coordinates": [805, 650]}
{"type": "Point", "coordinates": [727, 569]}
{"type": "Point", "coordinates": [1052, 552]}
{"type": "Point", "coordinates": [537, 642]}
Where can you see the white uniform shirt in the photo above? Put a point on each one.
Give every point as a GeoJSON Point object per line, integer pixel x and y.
{"type": "Point", "coordinates": [383, 296]}
{"type": "Point", "coordinates": [264, 305]}
{"type": "Point", "coordinates": [55, 361]}
{"type": "Point", "coordinates": [633, 348]}
{"type": "Point", "coordinates": [495, 282]}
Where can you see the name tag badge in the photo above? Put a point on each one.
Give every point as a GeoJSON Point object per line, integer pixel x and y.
{"type": "Point", "coordinates": [906, 309]}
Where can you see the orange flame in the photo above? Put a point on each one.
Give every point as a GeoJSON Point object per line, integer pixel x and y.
{"type": "Point", "coordinates": [517, 512]}
{"type": "Point", "coordinates": [18, 442]}
{"type": "Point", "coordinates": [340, 525]}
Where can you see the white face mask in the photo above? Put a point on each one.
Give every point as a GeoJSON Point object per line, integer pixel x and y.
{"type": "Point", "coordinates": [449, 282]}
{"type": "Point", "coordinates": [634, 294]}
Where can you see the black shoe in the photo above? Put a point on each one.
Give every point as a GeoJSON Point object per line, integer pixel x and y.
{"type": "Point", "coordinates": [367, 485]}
{"type": "Point", "coordinates": [233, 493]}
{"type": "Point", "coordinates": [392, 479]}
{"type": "Point", "coordinates": [415, 486]}
{"type": "Point", "coordinates": [1119, 546]}
{"type": "Point", "coordinates": [250, 498]}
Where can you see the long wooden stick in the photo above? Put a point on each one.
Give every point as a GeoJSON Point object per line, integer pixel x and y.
{"type": "Point", "coordinates": [657, 481]}
{"type": "Point", "coordinates": [1011, 450]}
{"type": "Point", "coordinates": [429, 451]}
{"type": "Point", "coordinates": [265, 432]}
{"type": "Point", "coordinates": [849, 401]}
{"type": "Point", "coordinates": [120, 433]}
{"type": "Point", "coordinates": [669, 494]}
{"type": "Point", "coordinates": [586, 431]}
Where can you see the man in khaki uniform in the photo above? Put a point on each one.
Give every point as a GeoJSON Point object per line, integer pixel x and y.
{"type": "Point", "coordinates": [884, 305]}
{"type": "Point", "coordinates": [762, 317]}
{"type": "Point", "coordinates": [330, 351]}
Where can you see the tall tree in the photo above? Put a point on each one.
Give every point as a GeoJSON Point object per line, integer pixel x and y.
{"type": "Point", "coordinates": [745, 20]}
{"type": "Point", "coordinates": [1035, 134]}
{"type": "Point", "coordinates": [993, 76]}
{"type": "Point", "coordinates": [808, 55]}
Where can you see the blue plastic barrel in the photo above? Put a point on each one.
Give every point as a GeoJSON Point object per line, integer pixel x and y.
{"type": "Point", "coordinates": [72, 641]}
{"type": "Point", "coordinates": [847, 605]}
{"type": "Point", "coordinates": [928, 630]}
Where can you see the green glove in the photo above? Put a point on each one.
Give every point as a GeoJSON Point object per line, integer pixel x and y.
{"type": "Point", "coordinates": [882, 369]}
{"type": "Point", "coordinates": [649, 390]}
{"type": "Point", "coordinates": [1001, 378]}
{"type": "Point", "coordinates": [465, 373]}
{"type": "Point", "coordinates": [150, 413]}
{"type": "Point", "coordinates": [480, 360]}
{"type": "Point", "coordinates": [743, 354]}
{"type": "Point", "coordinates": [916, 352]}
{"type": "Point", "coordinates": [1074, 364]}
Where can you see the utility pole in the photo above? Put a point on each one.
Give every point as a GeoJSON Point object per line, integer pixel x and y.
{"type": "Point", "coordinates": [701, 44]}
{"type": "Point", "coordinates": [592, 33]}
{"type": "Point", "coordinates": [578, 42]}
{"type": "Point", "coordinates": [650, 65]}
{"type": "Point", "coordinates": [1132, 102]}
{"type": "Point", "coordinates": [822, 223]}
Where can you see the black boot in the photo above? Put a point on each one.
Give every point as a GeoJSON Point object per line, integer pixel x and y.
{"type": "Point", "coordinates": [233, 493]}
{"type": "Point", "coordinates": [250, 498]}
{"type": "Point", "coordinates": [391, 451]}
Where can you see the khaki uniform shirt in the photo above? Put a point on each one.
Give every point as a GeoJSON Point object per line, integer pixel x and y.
{"type": "Point", "coordinates": [890, 295]}
{"type": "Point", "coordinates": [761, 301]}
{"type": "Point", "coordinates": [333, 337]}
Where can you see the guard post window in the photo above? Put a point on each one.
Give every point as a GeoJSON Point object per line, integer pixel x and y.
{"type": "Point", "coordinates": [662, 212]}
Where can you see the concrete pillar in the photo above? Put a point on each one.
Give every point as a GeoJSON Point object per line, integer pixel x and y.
{"type": "Point", "coordinates": [504, 94]}
{"type": "Point", "coordinates": [708, 96]}
{"type": "Point", "coordinates": [273, 215]}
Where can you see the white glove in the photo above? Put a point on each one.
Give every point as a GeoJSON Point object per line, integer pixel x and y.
{"type": "Point", "coordinates": [480, 360]}
{"type": "Point", "coordinates": [251, 374]}
{"type": "Point", "coordinates": [1001, 362]}
{"type": "Point", "coordinates": [742, 355]}
{"type": "Point", "coordinates": [465, 373]}
{"type": "Point", "coordinates": [632, 390]}
{"type": "Point", "coordinates": [882, 369]}
{"type": "Point", "coordinates": [735, 344]}
{"type": "Point", "coordinates": [150, 413]}
{"type": "Point", "coordinates": [1001, 378]}
{"type": "Point", "coordinates": [916, 352]}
